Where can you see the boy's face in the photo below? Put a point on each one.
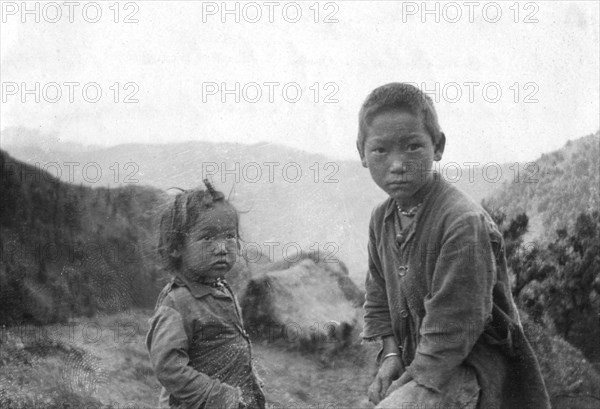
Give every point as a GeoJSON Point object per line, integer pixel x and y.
{"type": "Point", "coordinates": [399, 153]}
{"type": "Point", "coordinates": [210, 248]}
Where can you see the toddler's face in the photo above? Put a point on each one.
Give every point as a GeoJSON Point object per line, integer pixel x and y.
{"type": "Point", "coordinates": [399, 153]}
{"type": "Point", "coordinates": [210, 248]}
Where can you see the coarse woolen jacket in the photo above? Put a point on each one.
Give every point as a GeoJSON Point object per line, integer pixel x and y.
{"type": "Point", "coordinates": [441, 288]}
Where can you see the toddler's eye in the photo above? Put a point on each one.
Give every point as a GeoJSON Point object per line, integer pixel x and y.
{"type": "Point", "coordinates": [378, 150]}
{"type": "Point", "coordinates": [413, 147]}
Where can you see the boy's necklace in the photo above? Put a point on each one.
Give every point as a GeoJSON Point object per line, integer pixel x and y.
{"type": "Point", "coordinates": [420, 196]}
{"type": "Point", "coordinates": [401, 227]}
{"type": "Point", "coordinates": [409, 212]}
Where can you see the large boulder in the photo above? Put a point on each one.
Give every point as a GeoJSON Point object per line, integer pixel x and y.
{"type": "Point", "coordinates": [302, 304]}
{"type": "Point", "coordinates": [326, 264]}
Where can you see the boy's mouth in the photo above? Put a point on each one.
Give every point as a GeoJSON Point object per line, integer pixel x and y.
{"type": "Point", "coordinates": [398, 183]}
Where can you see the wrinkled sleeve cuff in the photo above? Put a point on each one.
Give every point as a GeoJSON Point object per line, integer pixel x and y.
{"type": "Point", "coordinates": [430, 371]}
{"type": "Point", "coordinates": [375, 338]}
{"type": "Point", "coordinates": [375, 331]}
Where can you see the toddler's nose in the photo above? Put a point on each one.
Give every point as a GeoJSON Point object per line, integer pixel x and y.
{"type": "Point", "coordinates": [221, 247]}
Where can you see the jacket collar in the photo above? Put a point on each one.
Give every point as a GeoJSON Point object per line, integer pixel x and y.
{"type": "Point", "coordinates": [198, 290]}
{"type": "Point", "coordinates": [433, 185]}
{"type": "Point", "coordinates": [433, 190]}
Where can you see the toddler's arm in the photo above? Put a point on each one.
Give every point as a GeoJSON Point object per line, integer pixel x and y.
{"type": "Point", "coordinates": [167, 343]}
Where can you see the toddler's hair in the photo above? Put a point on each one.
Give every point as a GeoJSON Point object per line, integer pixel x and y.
{"type": "Point", "coordinates": [183, 213]}
{"type": "Point", "coordinates": [397, 95]}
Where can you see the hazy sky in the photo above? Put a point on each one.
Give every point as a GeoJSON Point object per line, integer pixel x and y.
{"type": "Point", "coordinates": [542, 57]}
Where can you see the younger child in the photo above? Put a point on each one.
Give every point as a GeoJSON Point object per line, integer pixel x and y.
{"type": "Point", "coordinates": [198, 347]}
{"type": "Point", "coordinates": [437, 290]}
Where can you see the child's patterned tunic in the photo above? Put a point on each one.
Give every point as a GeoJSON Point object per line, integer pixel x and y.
{"type": "Point", "coordinates": [199, 349]}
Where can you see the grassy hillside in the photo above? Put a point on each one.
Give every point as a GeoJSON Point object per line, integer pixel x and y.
{"type": "Point", "coordinates": [71, 250]}
{"type": "Point", "coordinates": [556, 189]}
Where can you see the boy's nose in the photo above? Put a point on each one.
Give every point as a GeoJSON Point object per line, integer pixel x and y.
{"type": "Point", "coordinates": [398, 165]}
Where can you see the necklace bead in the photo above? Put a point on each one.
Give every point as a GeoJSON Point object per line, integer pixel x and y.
{"type": "Point", "coordinates": [410, 212]}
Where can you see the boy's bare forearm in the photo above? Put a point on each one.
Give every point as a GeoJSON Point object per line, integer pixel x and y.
{"type": "Point", "coordinates": [389, 345]}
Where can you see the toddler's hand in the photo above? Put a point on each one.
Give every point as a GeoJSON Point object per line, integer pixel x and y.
{"type": "Point", "coordinates": [390, 370]}
{"type": "Point", "coordinates": [241, 403]}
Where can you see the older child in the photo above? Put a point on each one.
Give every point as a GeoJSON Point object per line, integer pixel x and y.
{"type": "Point", "coordinates": [437, 290]}
{"type": "Point", "coordinates": [197, 343]}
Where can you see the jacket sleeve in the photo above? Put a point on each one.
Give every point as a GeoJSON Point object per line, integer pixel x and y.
{"type": "Point", "coordinates": [167, 344]}
{"type": "Point", "coordinates": [459, 303]}
{"type": "Point", "coordinates": [378, 322]}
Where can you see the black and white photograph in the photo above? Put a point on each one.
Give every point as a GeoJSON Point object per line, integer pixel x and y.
{"type": "Point", "coordinates": [300, 204]}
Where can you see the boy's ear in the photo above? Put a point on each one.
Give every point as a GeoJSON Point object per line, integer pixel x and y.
{"type": "Point", "coordinates": [439, 147]}
{"type": "Point", "coordinates": [361, 152]}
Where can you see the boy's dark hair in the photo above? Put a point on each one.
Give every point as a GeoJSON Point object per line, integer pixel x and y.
{"type": "Point", "coordinates": [402, 96]}
{"type": "Point", "coordinates": [179, 217]}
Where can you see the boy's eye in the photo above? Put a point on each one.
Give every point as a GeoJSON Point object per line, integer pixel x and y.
{"type": "Point", "coordinates": [206, 237]}
{"type": "Point", "coordinates": [413, 147]}
{"type": "Point", "coordinates": [378, 150]}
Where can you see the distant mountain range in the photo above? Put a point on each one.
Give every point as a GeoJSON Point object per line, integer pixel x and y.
{"type": "Point", "coordinates": [290, 199]}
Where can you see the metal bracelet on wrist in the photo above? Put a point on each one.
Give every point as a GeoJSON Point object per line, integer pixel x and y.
{"type": "Point", "coordinates": [390, 354]}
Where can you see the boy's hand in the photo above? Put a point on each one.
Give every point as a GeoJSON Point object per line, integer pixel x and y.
{"type": "Point", "coordinates": [390, 370]}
